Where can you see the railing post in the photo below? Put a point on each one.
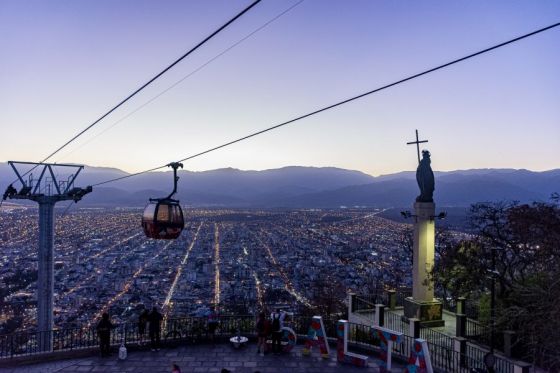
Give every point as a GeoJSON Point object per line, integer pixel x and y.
{"type": "Point", "coordinates": [379, 315]}
{"type": "Point", "coordinates": [414, 328]}
{"type": "Point", "coordinates": [392, 299]}
{"type": "Point", "coordinates": [460, 348]}
{"type": "Point", "coordinates": [460, 305]}
{"type": "Point", "coordinates": [521, 367]}
{"type": "Point", "coordinates": [460, 324]}
{"type": "Point", "coordinates": [509, 343]}
{"type": "Point", "coordinates": [351, 300]}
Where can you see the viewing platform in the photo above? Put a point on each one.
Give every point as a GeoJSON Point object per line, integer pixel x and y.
{"type": "Point", "coordinates": [198, 358]}
{"type": "Point", "coordinates": [187, 343]}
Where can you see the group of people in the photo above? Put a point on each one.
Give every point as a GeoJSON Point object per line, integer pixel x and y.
{"type": "Point", "coordinates": [151, 321]}
{"type": "Point", "coordinates": [270, 327]}
{"type": "Point", "coordinates": [147, 320]}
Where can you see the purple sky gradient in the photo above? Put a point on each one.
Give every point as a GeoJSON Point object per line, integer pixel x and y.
{"type": "Point", "coordinates": [64, 63]}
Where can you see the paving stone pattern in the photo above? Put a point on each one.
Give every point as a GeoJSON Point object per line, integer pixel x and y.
{"type": "Point", "coordinates": [203, 358]}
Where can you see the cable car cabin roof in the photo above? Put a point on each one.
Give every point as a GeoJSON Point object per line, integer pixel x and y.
{"type": "Point", "coordinates": [163, 219]}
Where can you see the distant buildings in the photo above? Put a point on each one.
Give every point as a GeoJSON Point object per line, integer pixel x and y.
{"type": "Point", "coordinates": [104, 262]}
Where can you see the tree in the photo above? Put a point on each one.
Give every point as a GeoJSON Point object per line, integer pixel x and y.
{"type": "Point", "coordinates": [457, 271]}
{"type": "Point", "coordinates": [526, 241]}
{"type": "Point", "coordinates": [329, 295]}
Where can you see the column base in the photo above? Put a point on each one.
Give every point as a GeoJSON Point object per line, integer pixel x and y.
{"type": "Point", "coordinates": [430, 314]}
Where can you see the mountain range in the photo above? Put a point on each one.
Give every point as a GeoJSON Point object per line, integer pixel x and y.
{"type": "Point", "coordinates": [311, 187]}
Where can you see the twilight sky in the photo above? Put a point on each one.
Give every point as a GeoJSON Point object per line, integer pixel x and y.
{"type": "Point", "coordinates": [64, 63]}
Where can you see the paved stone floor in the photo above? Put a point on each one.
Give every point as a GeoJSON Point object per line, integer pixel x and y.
{"type": "Point", "coordinates": [201, 358]}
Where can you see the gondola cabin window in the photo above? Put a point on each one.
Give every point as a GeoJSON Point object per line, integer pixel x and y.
{"type": "Point", "coordinates": [163, 213]}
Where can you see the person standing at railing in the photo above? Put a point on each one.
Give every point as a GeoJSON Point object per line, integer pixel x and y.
{"type": "Point", "coordinates": [213, 322]}
{"type": "Point", "coordinates": [104, 333]}
{"type": "Point", "coordinates": [155, 328]}
{"type": "Point", "coordinates": [263, 327]}
{"type": "Point", "coordinates": [142, 323]}
{"type": "Point", "coordinates": [277, 325]}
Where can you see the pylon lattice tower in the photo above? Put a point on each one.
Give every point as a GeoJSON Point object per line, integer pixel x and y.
{"type": "Point", "coordinates": [46, 191]}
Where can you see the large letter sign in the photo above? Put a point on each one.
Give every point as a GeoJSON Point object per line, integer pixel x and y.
{"type": "Point", "coordinates": [342, 354]}
{"type": "Point", "coordinates": [289, 337]}
{"type": "Point", "coordinates": [316, 336]}
{"type": "Point", "coordinates": [288, 341]}
{"type": "Point", "coordinates": [419, 361]}
{"type": "Point", "coordinates": [387, 338]}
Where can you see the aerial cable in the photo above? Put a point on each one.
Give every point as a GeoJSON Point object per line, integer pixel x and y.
{"type": "Point", "coordinates": [264, 25]}
{"type": "Point", "coordinates": [342, 102]}
{"type": "Point", "coordinates": [148, 82]}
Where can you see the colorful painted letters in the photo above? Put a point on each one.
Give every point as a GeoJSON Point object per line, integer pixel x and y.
{"type": "Point", "coordinates": [342, 354]}
{"type": "Point", "coordinates": [419, 361]}
{"type": "Point", "coordinates": [386, 337]}
{"type": "Point", "coordinates": [316, 336]}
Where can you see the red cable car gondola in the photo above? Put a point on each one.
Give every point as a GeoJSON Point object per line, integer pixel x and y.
{"type": "Point", "coordinates": [163, 217]}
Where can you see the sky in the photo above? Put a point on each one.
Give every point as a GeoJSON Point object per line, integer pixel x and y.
{"type": "Point", "coordinates": [65, 63]}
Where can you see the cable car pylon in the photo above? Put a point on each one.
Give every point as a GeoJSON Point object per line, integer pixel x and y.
{"type": "Point", "coordinates": [47, 191]}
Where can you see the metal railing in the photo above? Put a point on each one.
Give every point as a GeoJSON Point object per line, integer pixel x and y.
{"type": "Point", "coordinates": [502, 365]}
{"type": "Point", "coordinates": [184, 330]}
{"type": "Point", "coordinates": [477, 331]}
{"type": "Point", "coordinates": [188, 329]}
{"type": "Point", "coordinates": [191, 330]}
{"type": "Point", "coordinates": [361, 304]}
{"type": "Point", "coordinates": [402, 294]}
{"type": "Point", "coordinates": [471, 308]}
{"type": "Point", "coordinates": [395, 322]}
{"type": "Point", "coordinates": [443, 344]}
{"type": "Point", "coordinates": [442, 358]}
{"type": "Point", "coordinates": [437, 338]}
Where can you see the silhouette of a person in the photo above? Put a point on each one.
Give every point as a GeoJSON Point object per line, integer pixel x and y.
{"type": "Point", "coordinates": [104, 333]}
{"type": "Point", "coordinates": [155, 328]}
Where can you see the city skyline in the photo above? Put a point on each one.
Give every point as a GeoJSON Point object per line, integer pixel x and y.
{"type": "Point", "coordinates": [67, 63]}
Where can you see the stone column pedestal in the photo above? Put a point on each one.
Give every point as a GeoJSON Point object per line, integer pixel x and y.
{"type": "Point", "coordinates": [430, 314]}
{"type": "Point", "coordinates": [422, 305]}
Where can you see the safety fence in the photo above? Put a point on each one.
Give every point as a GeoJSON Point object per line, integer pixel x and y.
{"type": "Point", "coordinates": [395, 322]}
{"type": "Point", "coordinates": [194, 330]}
{"type": "Point", "coordinates": [361, 304]}
{"type": "Point", "coordinates": [442, 355]}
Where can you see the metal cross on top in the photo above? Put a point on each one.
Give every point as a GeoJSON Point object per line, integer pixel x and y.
{"type": "Point", "coordinates": [417, 142]}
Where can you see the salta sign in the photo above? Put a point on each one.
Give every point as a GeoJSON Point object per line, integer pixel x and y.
{"type": "Point", "coordinates": [419, 360]}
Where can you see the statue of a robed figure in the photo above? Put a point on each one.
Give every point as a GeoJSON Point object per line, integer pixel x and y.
{"type": "Point", "coordinates": [425, 179]}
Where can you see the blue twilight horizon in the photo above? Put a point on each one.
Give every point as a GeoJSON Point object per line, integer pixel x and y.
{"type": "Point", "coordinates": [65, 63]}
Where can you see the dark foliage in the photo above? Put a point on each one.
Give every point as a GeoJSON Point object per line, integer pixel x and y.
{"type": "Point", "coordinates": [526, 241]}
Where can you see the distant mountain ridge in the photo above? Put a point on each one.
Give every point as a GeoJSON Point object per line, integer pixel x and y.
{"type": "Point", "coordinates": [310, 187]}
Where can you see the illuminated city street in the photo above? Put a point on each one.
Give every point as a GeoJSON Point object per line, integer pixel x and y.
{"type": "Point", "coordinates": [239, 260]}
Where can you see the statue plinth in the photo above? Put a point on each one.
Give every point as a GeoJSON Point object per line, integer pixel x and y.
{"type": "Point", "coordinates": [430, 314]}
{"type": "Point", "coordinates": [422, 304]}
